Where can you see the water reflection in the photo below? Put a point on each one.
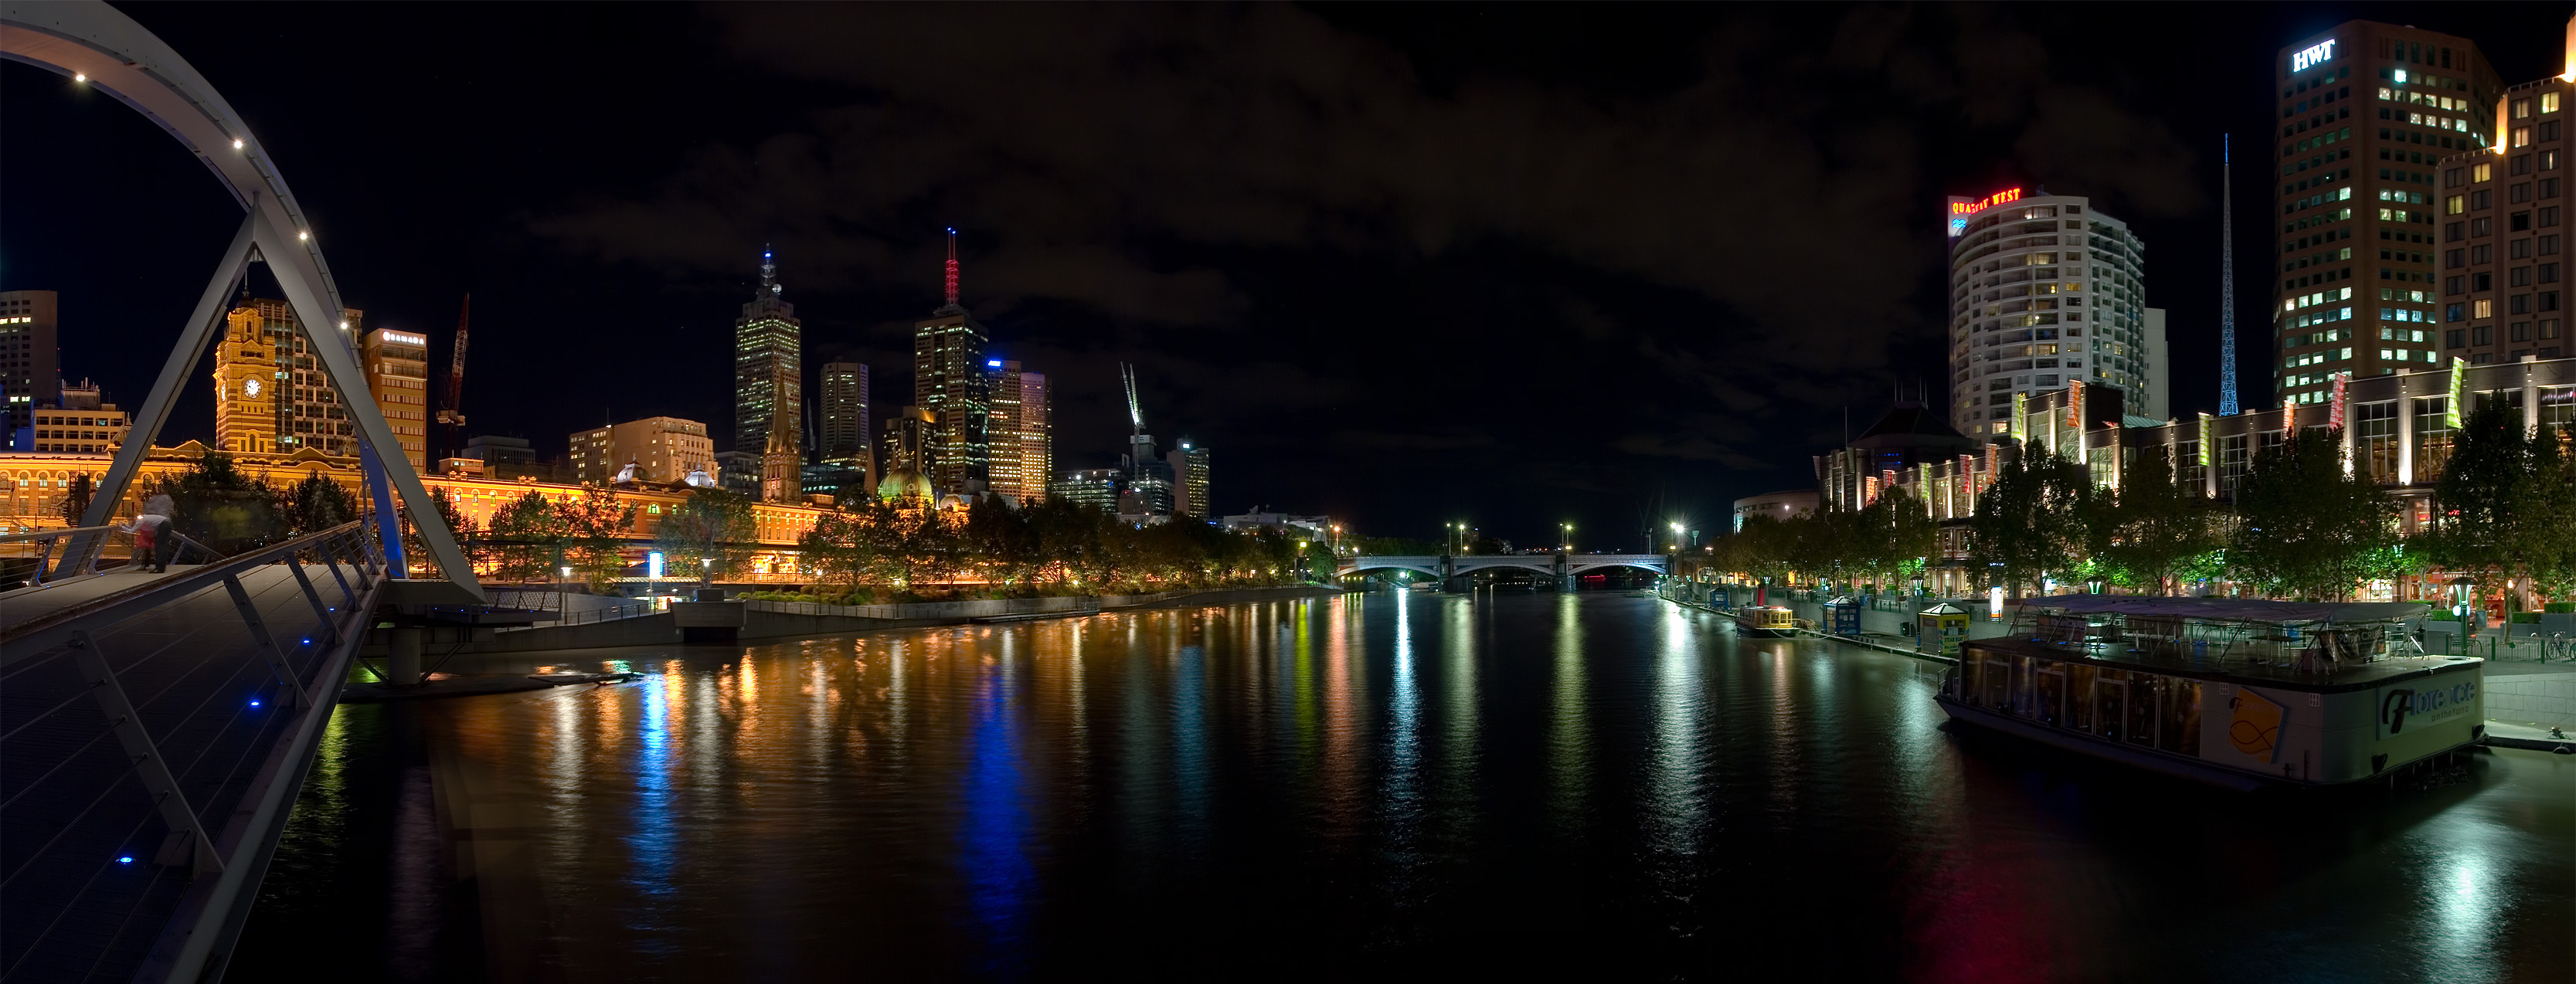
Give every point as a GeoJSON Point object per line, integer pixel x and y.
{"type": "Point", "coordinates": [1358, 785]}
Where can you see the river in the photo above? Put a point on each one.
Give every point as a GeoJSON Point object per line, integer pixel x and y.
{"type": "Point", "coordinates": [1360, 786]}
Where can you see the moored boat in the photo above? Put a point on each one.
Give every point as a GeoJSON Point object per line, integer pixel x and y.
{"type": "Point", "coordinates": [2239, 693]}
{"type": "Point", "coordinates": [1766, 621]}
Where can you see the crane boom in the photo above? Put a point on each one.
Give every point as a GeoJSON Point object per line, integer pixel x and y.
{"type": "Point", "coordinates": [451, 418]}
{"type": "Point", "coordinates": [1135, 413]}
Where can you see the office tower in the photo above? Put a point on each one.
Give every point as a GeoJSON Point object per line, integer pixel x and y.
{"type": "Point", "coordinates": [1098, 488]}
{"type": "Point", "coordinates": [2045, 292]}
{"type": "Point", "coordinates": [308, 412]}
{"type": "Point", "coordinates": [397, 368]}
{"type": "Point", "coordinates": [768, 373]}
{"type": "Point", "coordinates": [949, 381]}
{"type": "Point", "coordinates": [30, 364]}
{"type": "Point", "coordinates": [94, 429]}
{"type": "Point", "coordinates": [1022, 432]}
{"type": "Point", "coordinates": [2159, 376]}
{"type": "Point", "coordinates": [844, 436]}
{"type": "Point", "coordinates": [2504, 236]}
{"type": "Point", "coordinates": [662, 449]}
{"type": "Point", "coordinates": [246, 385]}
{"type": "Point", "coordinates": [1189, 464]}
{"type": "Point", "coordinates": [2367, 112]}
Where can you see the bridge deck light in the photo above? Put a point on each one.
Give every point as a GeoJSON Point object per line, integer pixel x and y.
{"type": "Point", "coordinates": [237, 144]}
{"type": "Point", "coordinates": [301, 236]}
{"type": "Point", "coordinates": [80, 76]}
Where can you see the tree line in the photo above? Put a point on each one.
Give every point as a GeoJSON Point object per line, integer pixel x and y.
{"type": "Point", "coordinates": [2300, 525]}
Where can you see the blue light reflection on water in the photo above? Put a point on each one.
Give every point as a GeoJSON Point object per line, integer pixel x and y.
{"type": "Point", "coordinates": [653, 841]}
{"type": "Point", "coordinates": [993, 833]}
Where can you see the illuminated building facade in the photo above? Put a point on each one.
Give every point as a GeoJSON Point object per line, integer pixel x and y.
{"type": "Point", "coordinates": [2367, 113]}
{"type": "Point", "coordinates": [1098, 488]}
{"type": "Point", "coordinates": [397, 368]}
{"type": "Point", "coordinates": [30, 363]}
{"type": "Point", "coordinates": [2504, 235]}
{"type": "Point", "coordinates": [950, 381]}
{"type": "Point", "coordinates": [246, 385]}
{"type": "Point", "coordinates": [1022, 431]}
{"type": "Point", "coordinates": [663, 450]}
{"type": "Point", "coordinates": [89, 430]}
{"type": "Point", "coordinates": [1189, 464]}
{"type": "Point", "coordinates": [768, 373]}
{"type": "Point", "coordinates": [2045, 292]}
{"type": "Point", "coordinates": [308, 411]}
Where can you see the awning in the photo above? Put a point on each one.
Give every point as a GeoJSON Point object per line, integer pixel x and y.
{"type": "Point", "coordinates": [2233, 609]}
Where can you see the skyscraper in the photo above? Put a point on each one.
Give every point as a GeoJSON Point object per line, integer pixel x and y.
{"type": "Point", "coordinates": [2503, 215]}
{"type": "Point", "coordinates": [1190, 480]}
{"type": "Point", "coordinates": [2045, 291]}
{"type": "Point", "coordinates": [1023, 432]}
{"type": "Point", "coordinates": [662, 449]}
{"type": "Point", "coordinates": [768, 368]}
{"type": "Point", "coordinates": [949, 381]}
{"type": "Point", "coordinates": [844, 409]}
{"type": "Point", "coordinates": [2367, 112]}
{"type": "Point", "coordinates": [30, 368]}
{"type": "Point", "coordinates": [397, 368]}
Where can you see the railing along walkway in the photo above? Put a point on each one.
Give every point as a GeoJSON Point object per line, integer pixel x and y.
{"type": "Point", "coordinates": [154, 730]}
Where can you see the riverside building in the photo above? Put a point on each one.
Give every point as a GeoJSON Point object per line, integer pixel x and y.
{"type": "Point", "coordinates": [397, 367]}
{"type": "Point", "coordinates": [2367, 112]}
{"type": "Point", "coordinates": [768, 377]}
{"type": "Point", "coordinates": [2503, 212]}
{"type": "Point", "coordinates": [949, 381]}
{"type": "Point", "coordinates": [30, 370]}
{"type": "Point", "coordinates": [2046, 293]}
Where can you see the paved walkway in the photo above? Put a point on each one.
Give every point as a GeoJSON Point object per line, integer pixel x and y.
{"type": "Point", "coordinates": [91, 870]}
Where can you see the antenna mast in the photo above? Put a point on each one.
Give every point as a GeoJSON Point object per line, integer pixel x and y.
{"type": "Point", "coordinates": [452, 418]}
{"type": "Point", "coordinates": [2226, 281]}
{"type": "Point", "coordinates": [952, 267]}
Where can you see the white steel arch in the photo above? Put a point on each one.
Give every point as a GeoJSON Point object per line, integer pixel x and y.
{"type": "Point", "coordinates": [100, 47]}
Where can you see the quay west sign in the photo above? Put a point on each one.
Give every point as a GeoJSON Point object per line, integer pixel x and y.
{"type": "Point", "coordinates": [2312, 56]}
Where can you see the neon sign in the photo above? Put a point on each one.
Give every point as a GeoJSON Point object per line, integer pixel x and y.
{"type": "Point", "coordinates": [1965, 207]}
{"type": "Point", "coordinates": [393, 336]}
{"type": "Point", "coordinates": [2312, 56]}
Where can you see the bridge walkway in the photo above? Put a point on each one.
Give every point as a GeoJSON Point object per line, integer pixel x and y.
{"type": "Point", "coordinates": [154, 729]}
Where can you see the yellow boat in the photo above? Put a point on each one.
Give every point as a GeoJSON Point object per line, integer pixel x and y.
{"type": "Point", "coordinates": [1766, 621]}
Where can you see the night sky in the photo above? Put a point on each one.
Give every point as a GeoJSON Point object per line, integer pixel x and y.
{"type": "Point", "coordinates": [1516, 265]}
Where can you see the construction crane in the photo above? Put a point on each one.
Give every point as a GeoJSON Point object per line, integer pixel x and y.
{"type": "Point", "coordinates": [1135, 413]}
{"type": "Point", "coordinates": [451, 418]}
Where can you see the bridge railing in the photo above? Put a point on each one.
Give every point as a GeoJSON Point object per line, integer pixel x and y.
{"type": "Point", "coordinates": [155, 739]}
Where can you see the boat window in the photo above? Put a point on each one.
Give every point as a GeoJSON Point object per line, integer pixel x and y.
{"type": "Point", "coordinates": [2145, 689]}
{"type": "Point", "coordinates": [2080, 697]}
{"type": "Point", "coordinates": [2025, 696]}
{"type": "Point", "coordinates": [2181, 725]}
{"type": "Point", "coordinates": [2111, 703]}
{"type": "Point", "coordinates": [2052, 692]}
{"type": "Point", "coordinates": [1994, 690]}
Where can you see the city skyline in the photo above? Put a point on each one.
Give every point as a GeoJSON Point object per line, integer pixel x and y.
{"type": "Point", "coordinates": [1711, 436]}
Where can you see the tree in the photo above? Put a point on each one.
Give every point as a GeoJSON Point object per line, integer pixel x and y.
{"type": "Point", "coordinates": [2149, 531]}
{"type": "Point", "coordinates": [416, 550]}
{"type": "Point", "coordinates": [526, 537]}
{"type": "Point", "coordinates": [316, 504]}
{"type": "Point", "coordinates": [710, 532]}
{"type": "Point", "coordinates": [217, 504]}
{"type": "Point", "coordinates": [595, 525]}
{"type": "Point", "coordinates": [2546, 504]}
{"type": "Point", "coordinates": [999, 537]}
{"type": "Point", "coordinates": [2032, 521]}
{"type": "Point", "coordinates": [2307, 528]}
{"type": "Point", "coordinates": [2500, 505]}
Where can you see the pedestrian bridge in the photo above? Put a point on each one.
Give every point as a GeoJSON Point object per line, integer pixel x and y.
{"type": "Point", "coordinates": [1445, 566]}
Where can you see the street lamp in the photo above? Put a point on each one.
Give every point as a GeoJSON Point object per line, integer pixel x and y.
{"type": "Point", "coordinates": [1568, 538]}
{"type": "Point", "coordinates": [1677, 536]}
{"type": "Point", "coordinates": [2460, 588]}
{"type": "Point", "coordinates": [2093, 585]}
{"type": "Point", "coordinates": [706, 571]}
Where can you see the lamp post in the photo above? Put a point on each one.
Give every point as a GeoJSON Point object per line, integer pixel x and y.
{"type": "Point", "coordinates": [706, 572]}
{"type": "Point", "coordinates": [2460, 588]}
{"type": "Point", "coordinates": [2093, 585]}
{"type": "Point", "coordinates": [1568, 538]}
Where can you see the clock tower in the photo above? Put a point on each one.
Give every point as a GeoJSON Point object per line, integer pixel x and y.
{"type": "Point", "coordinates": [246, 386]}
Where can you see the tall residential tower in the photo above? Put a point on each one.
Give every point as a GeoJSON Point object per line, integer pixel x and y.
{"type": "Point", "coordinates": [1023, 432]}
{"type": "Point", "coordinates": [2045, 292]}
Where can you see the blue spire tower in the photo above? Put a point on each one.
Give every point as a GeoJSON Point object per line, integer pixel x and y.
{"type": "Point", "coordinates": [2226, 282]}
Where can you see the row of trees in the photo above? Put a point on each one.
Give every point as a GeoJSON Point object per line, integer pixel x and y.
{"type": "Point", "coordinates": [2301, 524]}
{"type": "Point", "coordinates": [1055, 545]}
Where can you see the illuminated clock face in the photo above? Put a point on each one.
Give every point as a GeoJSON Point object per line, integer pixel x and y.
{"type": "Point", "coordinates": [250, 387]}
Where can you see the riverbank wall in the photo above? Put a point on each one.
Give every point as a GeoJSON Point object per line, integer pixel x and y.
{"type": "Point", "coordinates": [795, 620]}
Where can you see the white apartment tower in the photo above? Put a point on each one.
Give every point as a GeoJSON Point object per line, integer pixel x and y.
{"type": "Point", "coordinates": [2046, 292]}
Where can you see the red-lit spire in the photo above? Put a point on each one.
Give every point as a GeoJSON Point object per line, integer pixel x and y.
{"type": "Point", "coordinates": [952, 268]}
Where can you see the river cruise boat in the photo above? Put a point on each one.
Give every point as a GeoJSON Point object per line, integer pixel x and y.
{"type": "Point", "coordinates": [2237, 692]}
{"type": "Point", "coordinates": [1766, 621]}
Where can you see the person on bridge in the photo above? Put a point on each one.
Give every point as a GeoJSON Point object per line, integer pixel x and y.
{"type": "Point", "coordinates": [152, 545]}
